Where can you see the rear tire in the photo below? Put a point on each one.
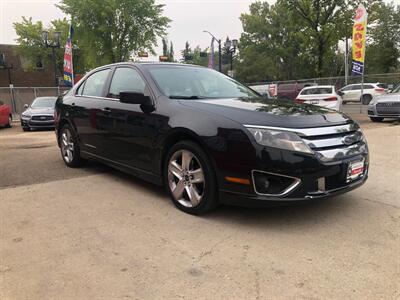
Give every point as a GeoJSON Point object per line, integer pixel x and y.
{"type": "Point", "coordinates": [9, 124]}
{"type": "Point", "coordinates": [26, 129]}
{"type": "Point", "coordinates": [190, 179]}
{"type": "Point", "coordinates": [376, 119]}
{"type": "Point", "coordinates": [366, 99]}
{"type": "Point", "coordinates": [69, 147]}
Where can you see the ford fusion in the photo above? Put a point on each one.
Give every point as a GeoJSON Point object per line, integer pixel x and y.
{"type": "Point", "coordinates": [40, 114]}
{"type": "Point", "coordinates": [208, 138]}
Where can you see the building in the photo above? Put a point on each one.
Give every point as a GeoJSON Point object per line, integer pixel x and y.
{"type": "Point", "coordinates": [41, 76]}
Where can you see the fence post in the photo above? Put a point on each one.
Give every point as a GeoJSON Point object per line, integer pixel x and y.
{"type": "Point", "coordinates": [58, 90]}
{"type": "Point", "coordinates": [34, 92]}
{"type": "Point", "coordinates": [13, 105]}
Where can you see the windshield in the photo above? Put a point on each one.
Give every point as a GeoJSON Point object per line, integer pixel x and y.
{"type": "Point", "coordinates": [44, 102]}
{"type": "Point", "coordinates": [197, 83]}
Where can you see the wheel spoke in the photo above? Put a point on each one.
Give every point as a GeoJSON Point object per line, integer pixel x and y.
{"type": "Point", "coordinates": [178, 191]}
{"type": "Point", "coordinates": [64, 139]}
{"type": "Point", "coordinates": [197, 176]}
{"type": "Point", "coordinates": [175, 169]}
{"type": "Point", "coordinates": [69, 154]}
{"type": "Point", "coordinates": [186, 159]}
{"type": "Point", "coordinates": [193, 195]}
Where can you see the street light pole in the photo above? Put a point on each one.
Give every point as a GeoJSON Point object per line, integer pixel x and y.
{"type": "Point", "coordinates": [55, 44]}
{"type": "Point", "coordinates": [219, 50]}
{"type": "Point", "coordinates": [230, 47]}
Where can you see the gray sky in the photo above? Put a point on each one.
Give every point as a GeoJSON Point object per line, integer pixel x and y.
{"type": "Point", "coordinates": [189, 18]}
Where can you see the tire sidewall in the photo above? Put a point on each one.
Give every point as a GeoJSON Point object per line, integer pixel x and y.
{"type": "Point", "coordinates": [209, 200]}
{"type": "Point", "coordinates": [76, 161]}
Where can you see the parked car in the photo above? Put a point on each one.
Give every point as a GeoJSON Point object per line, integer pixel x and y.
{"type": "Point", "coordinates": [323, 95]}
{"type": "Point", "coordinates": [208, 138]}
{"type": "Point", "coordinates": [290, 91]}
{"type": "Point", "coordinates": [262, 90]}
{"type": "Point", "coordinates": [352, 92]}
{"type": "Point", "coordinates": [5, 115]}
{"type": "Point", "coordinates": [386, 106]}
{"type": "Point", "coordinates": [40, 114]}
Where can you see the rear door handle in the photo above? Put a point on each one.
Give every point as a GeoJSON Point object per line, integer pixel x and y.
{"type": "Point", "coordinates": [106, 109]}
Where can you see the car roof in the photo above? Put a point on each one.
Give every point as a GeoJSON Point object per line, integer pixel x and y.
{"type": "Point", "coordinates": [365, 83]}
{"type": "Point", "coordinates": [139, 64]}
{"type": "Point", "coordinates": [318, 86]}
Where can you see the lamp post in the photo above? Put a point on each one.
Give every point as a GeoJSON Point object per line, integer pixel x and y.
{"type": "Point", "coordinates": [230, 47]}
{"type": "Point", "coordinates": [219, 50]}
{"type": "Point", "coordinates": [53, 45]}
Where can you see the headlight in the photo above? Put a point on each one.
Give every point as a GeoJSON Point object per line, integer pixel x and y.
{"type": "Point", "coordinates": [280, 139]}
{"type": "Point", "coordinates": [373, 102]}
{"type": "Point", "coordinates": [25, 116]}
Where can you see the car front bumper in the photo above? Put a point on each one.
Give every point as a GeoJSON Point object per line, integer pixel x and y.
{"type": "Point", "coordinates": [36, 124]}
{"type": "Point", "coordinates": [313, 176]}
{"type": "Point", "coordinates": [387, 113]}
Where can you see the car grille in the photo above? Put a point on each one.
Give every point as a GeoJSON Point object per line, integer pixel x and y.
{"type": "Point", "coordinates": [388, 108]}
{"type": "Point", "coordinates": [334, 142]}
{"type": "Point", "coordinates": [42, 118]}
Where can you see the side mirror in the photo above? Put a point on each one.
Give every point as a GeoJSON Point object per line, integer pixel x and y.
{"type": "Point", "coordinates": [340, 93]}
{"type": "Point", "coordinates": [26, 106]}
{"type": "Point", "coordinates": [134, 98]}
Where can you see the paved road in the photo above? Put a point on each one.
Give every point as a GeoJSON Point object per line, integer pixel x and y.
{"type": "Point", "coordinates": [95, 233]}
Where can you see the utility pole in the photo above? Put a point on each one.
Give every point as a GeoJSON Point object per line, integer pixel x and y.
{"type": "Point", "coordinates": [346, 63]}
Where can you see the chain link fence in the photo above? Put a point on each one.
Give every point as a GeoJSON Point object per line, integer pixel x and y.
{"type": "Point", "coordinates": [17, 97]}
{"type": "Point", "coordinates": [391, 79]}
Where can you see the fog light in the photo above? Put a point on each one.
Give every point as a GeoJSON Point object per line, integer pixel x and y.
{"type": "Point", "coordinates": [273, 184]}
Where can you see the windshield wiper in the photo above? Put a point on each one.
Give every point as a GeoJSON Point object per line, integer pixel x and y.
{"type": "Point", "coordinates": [186, 97]}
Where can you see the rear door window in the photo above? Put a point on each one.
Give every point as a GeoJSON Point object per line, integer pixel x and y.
{"type": "Point", "coordinates": [317, 91]}
{"type": "Point", "coordinates": [94, 85]}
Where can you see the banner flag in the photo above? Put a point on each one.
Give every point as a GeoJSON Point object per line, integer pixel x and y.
{"type": "Point", "coordinates": [211, 57]}
{"type": "Point", "coordinates": [359, 37]}
{"type": "Point", "coordinates": [68, 61]}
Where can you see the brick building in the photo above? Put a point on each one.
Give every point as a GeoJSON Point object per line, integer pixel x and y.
{"type": "Point", "coordinates": [21, 76]}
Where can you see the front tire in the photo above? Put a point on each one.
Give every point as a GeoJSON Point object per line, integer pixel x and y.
{"type": "Point", "coordinates": [376, 119]}
{"type": "Point", "coordinates": [190, 178]}
{"type": "Point", "coordinates": [70, 148]}
{"type": "Point", "coordinates": [366, 99]}
{"type": "Point", "coordinates": [9, 124]}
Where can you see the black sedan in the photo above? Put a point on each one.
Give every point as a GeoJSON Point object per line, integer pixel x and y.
{"type": "Point", "coordinates": [39, 115]}
{"type": "Point", "coordinates": [208, 138]}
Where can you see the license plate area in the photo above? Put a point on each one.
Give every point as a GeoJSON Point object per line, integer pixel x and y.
{"type": "Point", "coordinates": [314, 101]}
{"type": "Point", "coordinates": [355, 170]}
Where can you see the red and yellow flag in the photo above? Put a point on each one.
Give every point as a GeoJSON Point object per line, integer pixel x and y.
{"type": "Point", "coordinates": [359, 37]}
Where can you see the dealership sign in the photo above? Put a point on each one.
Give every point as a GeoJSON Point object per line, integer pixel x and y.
{"type": "Point", "coordinates": [359, 37]}
{"type": "Point", "coordinates": [68, 62]}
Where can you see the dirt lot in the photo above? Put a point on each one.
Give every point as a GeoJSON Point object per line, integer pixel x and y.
{"type": "Point", "coordinates": [95, 233]}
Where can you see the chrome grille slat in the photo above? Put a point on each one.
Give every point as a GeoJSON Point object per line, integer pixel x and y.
{"type": "Point", "coordinates": [328, 130]}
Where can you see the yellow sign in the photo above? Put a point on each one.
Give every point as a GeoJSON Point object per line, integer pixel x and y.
{"type": "Point", "coordinates": [359, 38]}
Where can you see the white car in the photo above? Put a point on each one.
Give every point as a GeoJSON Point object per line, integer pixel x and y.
{"type": "Point", "coordinates": [352, 92]}
{"type": "Point", "coordinates": [322, 95]}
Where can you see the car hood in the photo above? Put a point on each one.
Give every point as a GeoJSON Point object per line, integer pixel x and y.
{"type": "Point", "coordinates": [388, 98]}
{"type": "Point", "coordinates": [276, 113]}
{"type": "Point", "coordinates": [39, 111]}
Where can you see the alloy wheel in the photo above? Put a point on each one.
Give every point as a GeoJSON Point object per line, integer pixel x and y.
{"type": "Point", "coordinates": [67, 145]}
{"type": "Point", "coordinates": [186, 178]}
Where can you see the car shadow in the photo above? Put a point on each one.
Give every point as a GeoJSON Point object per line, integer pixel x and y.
{"type": "Point", "coordinates": [298, 215]}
